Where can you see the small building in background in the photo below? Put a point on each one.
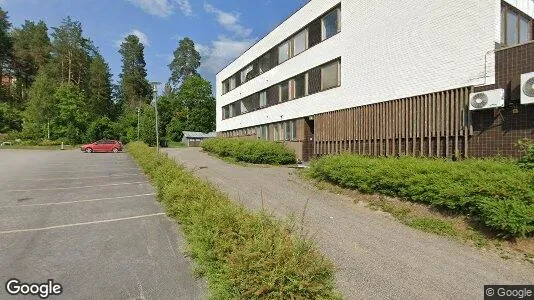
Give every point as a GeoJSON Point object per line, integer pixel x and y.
{"type": "Point", "coordinates": [193, 139]}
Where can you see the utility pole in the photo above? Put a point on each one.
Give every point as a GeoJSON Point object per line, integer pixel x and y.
{"type": "Point", "coordinates": [138, 112]}
{"type": "Point", "coordinates": [155, 91]}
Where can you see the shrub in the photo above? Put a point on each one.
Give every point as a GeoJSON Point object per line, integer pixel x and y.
{"type": "Point", "coordinates": [242, 254]}
{"type": "Point", "coordinates": [526, 147]}
{"type": "Point", "coordinates": [251, 151]}
{"type": "Point", "coordinates": [496, 192]}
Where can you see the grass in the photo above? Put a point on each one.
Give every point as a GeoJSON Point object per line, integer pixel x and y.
{"type": "Point", "coordinates": [177, 144]}
{"type": "Point", "coordinates": [495, 193]}
{"type": "Point", "coordinates": [435, 221]}
{"type": "Point", "coordinates": [250, 151]}
{"type": "Point", "coordinates": [242, 254]}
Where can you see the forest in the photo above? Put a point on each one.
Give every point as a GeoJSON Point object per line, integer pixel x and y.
{"type": "Point", "coordinates": [57, 87]}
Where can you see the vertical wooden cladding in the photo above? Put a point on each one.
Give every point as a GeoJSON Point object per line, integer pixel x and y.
{"type": "Point", "coordinates": [427, 125]}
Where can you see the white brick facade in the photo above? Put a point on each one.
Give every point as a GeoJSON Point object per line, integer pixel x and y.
{"type": "Point", "coordinates": [387, 52]}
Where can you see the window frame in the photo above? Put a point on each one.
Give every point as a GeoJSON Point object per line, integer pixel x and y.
{"type": "Point", "coordinates": [336, 10]}
{"type": "Point", "coordinates": [266, 100]}
{"type": "Point", "coordinates": [304, 32]}
{"type": "Point", "coordinates": [505, 10]}
{"type": "Point", "coordinates": [323, 67]}
{"type": "Point", "coordinates": [280, 98]}
{"type": "Point", "coordinates": [288, 52]}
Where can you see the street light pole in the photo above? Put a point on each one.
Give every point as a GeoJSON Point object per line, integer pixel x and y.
{"type": "Point", "coordinates": [155, 90]}
{"type": "Point", "coordinates": [138, 112]}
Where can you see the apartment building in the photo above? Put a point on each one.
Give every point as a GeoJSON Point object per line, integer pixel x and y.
{"type": "Point", "coordinates": [434, 78]}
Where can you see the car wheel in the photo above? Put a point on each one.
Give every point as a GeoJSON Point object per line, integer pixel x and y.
{"type": "Point", "coordinates": [88, 150]}
{"type": "Point", "coordinates": [115, 150]}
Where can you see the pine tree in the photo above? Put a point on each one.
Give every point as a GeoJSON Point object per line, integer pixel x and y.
{"type": "Point", "coordinates": [100, 89]}
{"type": "Point", "coordinates": [135, 88]}
{"type": "Point", "coordinates": [185, 63]}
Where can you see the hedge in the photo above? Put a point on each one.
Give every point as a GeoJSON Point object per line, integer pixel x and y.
{"type": "Point", "coordinates": [242, 254]}
{"type": "Point", "coordinates": [498, 193]}
{"type": "Point", "coordinates": [251, 151]}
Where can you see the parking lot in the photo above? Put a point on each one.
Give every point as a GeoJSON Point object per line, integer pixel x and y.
{"type": "Point", "coordinates": [91, 223]}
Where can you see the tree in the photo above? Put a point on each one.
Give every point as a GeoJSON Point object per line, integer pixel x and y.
{"type": "Point", "coordinates": [10, 118]}
{"type": "Point", "coordinates": [135, 88]}
{"type": "Point", "coordinates": [195, 95]}
{"type": "Point", "coordinates": [72, 116]}
{"type": "Point", "coordinates": [31, 51]}
{"type": "Point", "coordinates": [5, 40]}
{"type": "Point", "coordinates": [185, 62]}
{"type": "Point", "coordinates": [72, 51]}
{"type": "Point", "coordinates": [100, 89]}
{"type": "Point", "coordinates": [41, 107]}
{"type": "Point", "coordinates": [102, 128]}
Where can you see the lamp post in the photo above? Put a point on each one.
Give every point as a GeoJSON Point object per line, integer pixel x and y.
{"type": "Point", "coordinates": [155, 93]}
{"type": "Point", "coordinates": [138, 113]}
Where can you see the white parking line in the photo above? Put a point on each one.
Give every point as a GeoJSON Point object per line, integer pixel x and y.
{"type": "Point", "coordinates": [78, 178]}
{"type": "Point", "coordinates": [79, 224]}
{"type": "Point", "coordinates": [77, 201]}
{"type": "Point", "coordinates": [44, 172]}
{"type": "Point", "coordinates": [81, 187]}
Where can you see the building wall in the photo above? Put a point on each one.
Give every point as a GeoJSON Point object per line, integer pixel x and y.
{"type": "Point", "coordinates": [387, 52]}
{"type": "Point", "coordinates": [495, 132]}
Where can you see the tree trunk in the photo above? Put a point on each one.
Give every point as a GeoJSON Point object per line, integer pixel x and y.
{"type": "Point", "coordinates": [48, 130]}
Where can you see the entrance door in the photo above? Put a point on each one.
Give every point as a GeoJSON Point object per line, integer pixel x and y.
{"type": "Point", "coordinates": [309, 138]}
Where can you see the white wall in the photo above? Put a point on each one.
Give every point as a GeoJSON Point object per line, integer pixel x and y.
{"type": "Point", "coordinates": [526, 6]}
{"type": "Point", "coordinates": [388, 52]}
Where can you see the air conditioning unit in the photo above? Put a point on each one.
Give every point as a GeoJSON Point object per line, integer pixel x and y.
{"type": "Point", "coordinates": [486, 100]}
{"type": "Point", "coordinates": [527, 88]}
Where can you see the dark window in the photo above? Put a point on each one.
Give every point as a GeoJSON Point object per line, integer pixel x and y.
{"type": "Point", "coordinates": [265, 63]}
{"type": "Point", "coordinates": [330, 74]}
{"type": "Point", "coordinates": [284, 91]}
{"type": "Point", "coordinates": [300, 86]}
{"type": "Point", "coordinates": [225, 86]}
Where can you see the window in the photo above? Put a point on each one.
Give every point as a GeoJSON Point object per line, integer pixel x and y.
{"type": "Point", "coordinates": [330, 75]}
{"type": "Point", "coordinates": [265, 132]}
{"type": "Point", "coordinates": [276, 136]}
{"type": "Point", "coordinates": [288, 131]}
{"type": "Point", "coordinates": [516, 28]}
{"type": "Point", "coordinates": [232, 83]}
{"type": "Point", "coordinates": [331, 24]}
{"type": "Point", "coordinates": [263, 99]}
{"type": "Point", "coordinates": [246, 74]}
{"type": "Point", "coordinates": [300, 42]}
{"type": "Point", "coordinates": [293, 125]}
{"type": "Point", "coordinates": [300, 86]}
{"type": "Point", "coordinates": [284, 92]}
{"type": "Point", "coordinates": [226, 112]}
{"type": "Point", "coordinates": [225, 87]}
{"type": "Point", "coordinates": [265, 63]}
{"type": "Point", "coordinates": [283, 52]}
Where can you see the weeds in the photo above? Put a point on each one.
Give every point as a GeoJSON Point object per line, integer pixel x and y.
{"type": "Point", "coordinates": [242, 254]}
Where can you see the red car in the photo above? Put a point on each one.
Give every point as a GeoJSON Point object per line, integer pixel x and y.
{"type": "Point", "coordinates": [103, 146]}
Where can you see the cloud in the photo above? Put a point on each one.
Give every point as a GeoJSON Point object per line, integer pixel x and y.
{"type": "Point", "coordinates": [163, 8]}
{"type": "Point", "coordinates": [143, 38]}
{"type": "Point", "coordinates": [221, 52]}
{"type": "Point", "coordinates": [230, 21]}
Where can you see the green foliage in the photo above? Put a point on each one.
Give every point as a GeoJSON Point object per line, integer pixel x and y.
{"type": "Point", "coordinates": [41, 108]}
{"type": "Point", "coordinates": [185, 62]}
{"type": "Point", "coordinates": [197, 103]}
{"type": "Point", "coordinates": [31, 51]}
{"type": "Point", "coordinates": [10, 118]}
{"type": "Point", "coordinates": [100, 103]}
{"type": "Point", "coordinates": [6, 43]}
{"type": "Point", "coordinates": [102, 128]}
{"type": "Point", "coordinates": [251, 151]}
{"type": "Point", "coordinates": [243, 254]}
{"type": "Point", "coordinates": [135, 87]}
{"type": "Point", "coordinates": [497, 193]}
{"type": "Point", "coordinates": [433, 225]}
{"type": "Point", "coordinates": [526, 147]}
{"type": "Point", "coordinates": [72, 118]}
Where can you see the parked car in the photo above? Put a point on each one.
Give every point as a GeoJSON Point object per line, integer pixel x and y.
{"type": "Point", "coordinates": [103, 146]}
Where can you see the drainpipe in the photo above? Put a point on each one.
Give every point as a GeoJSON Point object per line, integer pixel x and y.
{"type": "Point", "coordinates": [486, 65]}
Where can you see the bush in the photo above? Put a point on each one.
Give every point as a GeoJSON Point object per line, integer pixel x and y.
{"type": "Point", "coordinates": [251, 151]}
{"type": "Point", "coordinates": [496, 192]}
{"type": "Point", "coordinates": [243, 254]}
{"type": "Point", "coordinates": [526, 147]}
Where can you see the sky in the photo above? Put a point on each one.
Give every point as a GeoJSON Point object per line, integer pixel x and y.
{"type": "Point", "coordinates": [221, 29]}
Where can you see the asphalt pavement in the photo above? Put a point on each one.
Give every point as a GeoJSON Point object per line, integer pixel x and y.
{"type": "Point", "coordinates": [89, 222]}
